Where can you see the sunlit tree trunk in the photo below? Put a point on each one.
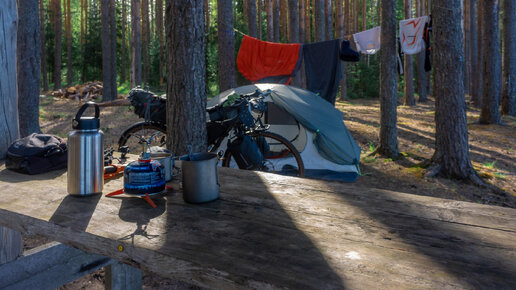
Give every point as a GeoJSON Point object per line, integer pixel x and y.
{"type": "Point", "coordinates": [451, 132]}
{"type": "Point", "coordinates": [186, 76]}
{"type": "Point", "coordinates": [509, 58]}
{"type": "Point", "coordinates": [227, 77]}
{"type": "Point", "coordinates": [388, 91]}
{"type": "Point", "coordinates": [491, 64]}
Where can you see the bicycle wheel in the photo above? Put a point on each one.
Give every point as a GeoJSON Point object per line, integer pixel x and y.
{"type": "Point", "coordinates": [282, 157]}
{"type": "Point", "coordinates": [132, 136]}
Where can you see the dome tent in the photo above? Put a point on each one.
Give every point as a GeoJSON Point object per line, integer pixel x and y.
{"type": "Point", "coordinates": [314, 127]}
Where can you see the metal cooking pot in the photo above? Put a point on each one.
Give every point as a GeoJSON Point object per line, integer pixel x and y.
{"type": "Point", "coordinates": [200, 179]}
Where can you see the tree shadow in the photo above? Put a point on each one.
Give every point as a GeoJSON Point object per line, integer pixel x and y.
{"type": "Point", "coordinates": [245, 237]}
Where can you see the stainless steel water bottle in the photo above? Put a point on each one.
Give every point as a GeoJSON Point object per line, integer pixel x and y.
{"type": "Point", "coordinates": [85, 154]}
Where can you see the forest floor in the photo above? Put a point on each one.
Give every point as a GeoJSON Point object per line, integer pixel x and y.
{"type": "Point", "coordinates": [492, 151]}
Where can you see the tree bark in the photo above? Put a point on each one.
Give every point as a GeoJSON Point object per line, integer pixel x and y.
{"type": "Point", "coordinates": [108, 58]}
{"type": "Point", "coordinates": [251, 15]}
{"type": "Point", "coordinates": [186, 75]}
{"type": "Point", "coordinates": [320, 30]}
{"type": "Point", "coordinates": [58, 32]}
{"type": "Point", "coordinates": [301, 17]}
{"type": "Point", "coordinates": [43, 50]}
{"type": "Point", "coordinates": [451, 133]}
{"type": "Point", "coordinates": [68, 26]}
{"type": "Point", "coordinates": [421, 74]}
{"type": "Point", "coordinates": [328, 25]}
{"type": "Point", "coordinates": [308, 26]}
{"type": "Point", "coordinates": [259, 15]}
{"type": "Point", "coordinates": [227, 76]}
{"type": "Point", "coordinates": [509, 58]}
{"type": "Point", "coordinates": [145, 41]}
{"type": "Point", "coordinates": [136, 52]}
{"type": "Point", "coordinates": [388, 91]}
{"type": "Point", "coordinates": [283, 20]}
{"type": "Point", "coordinates": [276, 20]}
{"type": "Point", "coordinates": [123, 65]}
{"type": "Point", "coordinates": [408, 91]}
{"type": "Point", "coordinates": [293, 22]}
{"type": "Point", "coordinates": [467, 45]}
{"type": "Point", "coordinates": [491, 65]}
{"type": "Point", "coordinates": [28, 68]}
{"type": "Point", "coordinates": [364, 15]}
{"type": "Point", "coordinates": [270, 24]}
{"type": "Point", "coordinates": [159, 31]}
{"type": "Point", "coordinates": [339, 10]}
{"type": "Point", "coordinates": [474, 54]}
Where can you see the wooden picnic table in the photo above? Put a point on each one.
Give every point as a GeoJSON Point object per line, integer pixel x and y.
{"type": "Point", "coordinates": [272, 231]}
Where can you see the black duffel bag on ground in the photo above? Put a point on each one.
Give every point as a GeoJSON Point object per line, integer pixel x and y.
{"type": "Point", "coordinates": [37, 153]}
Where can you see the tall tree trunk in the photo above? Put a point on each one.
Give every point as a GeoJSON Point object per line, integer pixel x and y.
{"type": "Point", "coordinates": [276, 20]}
{"type": "Point", "coordinates": [302, 25]}
{"type": "Point", "coordinates": [227, 77]}
{"type": "Point", "coordinates": [259, 15]}
{"type": "Point", "coordinates": [251, 15]}
{"type": "Point", "coordinates": [43, 50]}
{"type": "Point", "coordinates": [313, 13]}
{"type": "Point", "coordinates": [293, 22]}
{"type": "Point", "coordinates": [509, 58]}
{"type": "Point", "coordinates": [467, 45]}
{"type": "Point", "coordinates": [145, 41]}
{"type": "Point", "coordinates": [421, 74]}
{"type": "Point", "coordinates": [388, 91]}
{"type": "Point", "coordinates": [159, 30]}
{"type": "Point", "coordinates": [341, 33]}
{"type": "Point", "coordinates": [451, 132]}
{"type": "Point", "coordinates": [283, 20]}
{"type": "Point", "coordinates": [364, 15]}
{"type": "Point", "coordinates": [123, 65]}
{"type": "Point", "coordinates": [355, 16]}
{"type": "Point", "coordinates": [136, 52]}
{"type": "Point", "coordinates": [58, 32]}
{"type": "Point", "coordinates": [270, 24]}
{"type": "Point", "coordinates": [186, 75]}
{"type": "Point", "coordinates": [308, 26]}
{"type": "Point", "coordinates": [108, 58]}
{"type": "Point", "coordinates": [491, 65]}
{"type": "Point", "coordinates": [320, 30]}
{"type": "Point", "coordinates": [328, 25]}
{"type": "Point", "coordinates": [408, 71]}
{"type": "Point", "coordinates": [475, 90]}
{"type": "Point", "coordinates": [68, 26]}
{"type": "Point", "coordinates": [28, 68]}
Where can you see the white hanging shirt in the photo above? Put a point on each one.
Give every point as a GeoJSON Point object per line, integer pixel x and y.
{"type": "Point", "coordinates": [368, 41]}
{"type": "Point", "coordinates": [411, 34]}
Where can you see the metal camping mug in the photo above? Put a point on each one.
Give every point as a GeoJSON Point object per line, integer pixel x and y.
{"type": "Point", "coordinates": [200, 179]}
{"type": "Point", "coordinates": [165, 157]}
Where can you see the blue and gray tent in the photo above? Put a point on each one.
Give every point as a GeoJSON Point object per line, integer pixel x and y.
{"type": "Point", "coordinates": [313, 125]}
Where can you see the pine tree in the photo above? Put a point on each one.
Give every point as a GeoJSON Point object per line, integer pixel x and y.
{"type": "Point", "coordinates": [186, 75]}
{"type": "Point", "coordinates": [509, 58]}
{"type": "Point", "coordinates": [43, 49]}
{"type": "Point", "coordinates": [408, 73]}
{"type": "Point", "coordinates": [58, 32]}
{"type": "Point", "coordinates": [136, 53]}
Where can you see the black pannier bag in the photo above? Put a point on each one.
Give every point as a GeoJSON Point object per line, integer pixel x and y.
{"type": "Point", "coordinates": [246, 153]}
{"type": "Point", "coordinates": [157, 106]}
{"type": "Point", "coordinates": [37, 153]}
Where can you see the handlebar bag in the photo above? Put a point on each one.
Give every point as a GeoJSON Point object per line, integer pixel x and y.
{"type": "Point", "coordinates": [246, 153]}
{"type": "Point", "coordinates": [37, 153]}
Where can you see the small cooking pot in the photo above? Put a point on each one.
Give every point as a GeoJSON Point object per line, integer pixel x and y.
{"type": "Point", "coordinates": [200, 179]}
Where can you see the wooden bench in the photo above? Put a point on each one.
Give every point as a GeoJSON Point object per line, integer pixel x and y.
{"type": "Point", "coordinates": [267, 231]}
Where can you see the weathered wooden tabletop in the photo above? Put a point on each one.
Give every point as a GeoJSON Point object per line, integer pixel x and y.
{"type": "Point", "coordinates": [271, 231]}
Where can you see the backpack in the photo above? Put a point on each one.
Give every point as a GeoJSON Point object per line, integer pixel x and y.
{"type": "Point", "coordinates": [143, 100]}
{"type": "Point", "coordinates": [37, 153]}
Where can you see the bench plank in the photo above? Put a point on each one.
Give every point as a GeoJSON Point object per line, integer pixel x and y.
{"type": "Point", "coordinates": [270, 231]}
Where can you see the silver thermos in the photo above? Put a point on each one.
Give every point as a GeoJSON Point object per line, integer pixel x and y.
{"type": "Point", "coordinates": [85, 154]}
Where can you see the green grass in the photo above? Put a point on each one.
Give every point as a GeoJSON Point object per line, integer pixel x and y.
{"type": "Point", "coordinates": [372, 147]}
{"type": "Point", "coordinates": [499, 175]}
{"type": "Point", "coordinates": [124, 88]}
{"type": "Point", "coordinates": [490, 165]}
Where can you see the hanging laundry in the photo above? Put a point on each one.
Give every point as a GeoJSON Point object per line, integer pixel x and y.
{"type": "Point", "coordinates": [426, 38]}
{"type": "Point", "coordinates": [347, 53]}
{"type": "Point", "coordinates": [258, 59]}
{"type": "Point", "coordinates": [323, 69]}
{"type": "Point", "coordinates": [411, 34]}
{"type": "Point", "coordinates": [368, 42]}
